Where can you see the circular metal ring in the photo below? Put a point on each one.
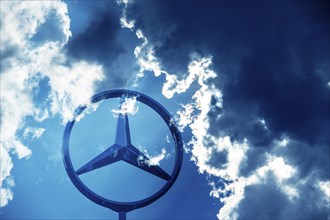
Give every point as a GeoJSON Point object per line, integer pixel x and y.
{"type": "Point", "coordinates": [114, 205]}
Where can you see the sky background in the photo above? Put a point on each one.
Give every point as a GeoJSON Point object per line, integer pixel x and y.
{"type": "Point", "coordinates": [247, 82]}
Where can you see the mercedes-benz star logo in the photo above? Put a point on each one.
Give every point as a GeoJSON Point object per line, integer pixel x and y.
{"type": "Point", "coordinates": [123, 150]}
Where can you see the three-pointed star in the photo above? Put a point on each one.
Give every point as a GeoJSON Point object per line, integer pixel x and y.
{"type": "Point", "coordinates": [123, 150]}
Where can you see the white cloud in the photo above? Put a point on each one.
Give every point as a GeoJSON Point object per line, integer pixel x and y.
{"type": "Point", "coordinates": [278, 166]}
{"type": "Point", "coordinates": [185, 116]}
{"type": "Point", "coordinates": [198, 70]}
{"type": "Point", "coordinates": [70, 83]}
{"type": "Point", "coordinates": [263, 123]}
{"type": "Point", "coordinates": [325, 187]}
{"type": "Point", "coordinates": [6, 195]}
{"type": "Point", "coordinates": [229, 210]}
{"type": "Point", "coordinates": [33, 133]}
{"type": "Point", "coordinates": [154, 160]}
{"type": "Point", "coordinates": [125, 23]}
{"type": "Point", "coordinates": [282, 172]}
{"type": "Point", "coordinates": [275, 166]}
{"type": "Point", "coordinates": [167, 139]}
{"type": "Point", "coordinates": [72, 86]}
{"type": "Point", "coordinates": [128, 106]}
{"type": "Point", "coordinates": [145, 55]}
{"type": "Point", "coordinates": [5, 163]}
{"type": "Point", "coordinates": [26, 17]}
{"type": "Point", "coordinates": [236, 155]}
{"type": "Point", "coordinates": [283, 142]}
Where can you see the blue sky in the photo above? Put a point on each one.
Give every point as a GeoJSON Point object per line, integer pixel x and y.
{"type": "Point", "coordinates": [247, 83]}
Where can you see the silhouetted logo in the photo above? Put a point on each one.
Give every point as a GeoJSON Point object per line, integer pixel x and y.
{"type": "Point", "coordinates": [123, 150]}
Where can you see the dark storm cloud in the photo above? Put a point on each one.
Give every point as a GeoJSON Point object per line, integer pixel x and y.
{"type": "Point", "coordinates": [279, 206]}
{"type": "Point", "coordinates": [272, 60]}
{"type": "Point", "coordinates": [98, 41]}
{"type": "Point", "coordinates": [97, 37]}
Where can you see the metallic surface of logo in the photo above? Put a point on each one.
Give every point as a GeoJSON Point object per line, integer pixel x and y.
{"type": "Point", "coordinates": [123, 150]}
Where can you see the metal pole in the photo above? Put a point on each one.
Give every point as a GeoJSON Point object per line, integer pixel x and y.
{"type": "Point", "coordinates": [122, 215]}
